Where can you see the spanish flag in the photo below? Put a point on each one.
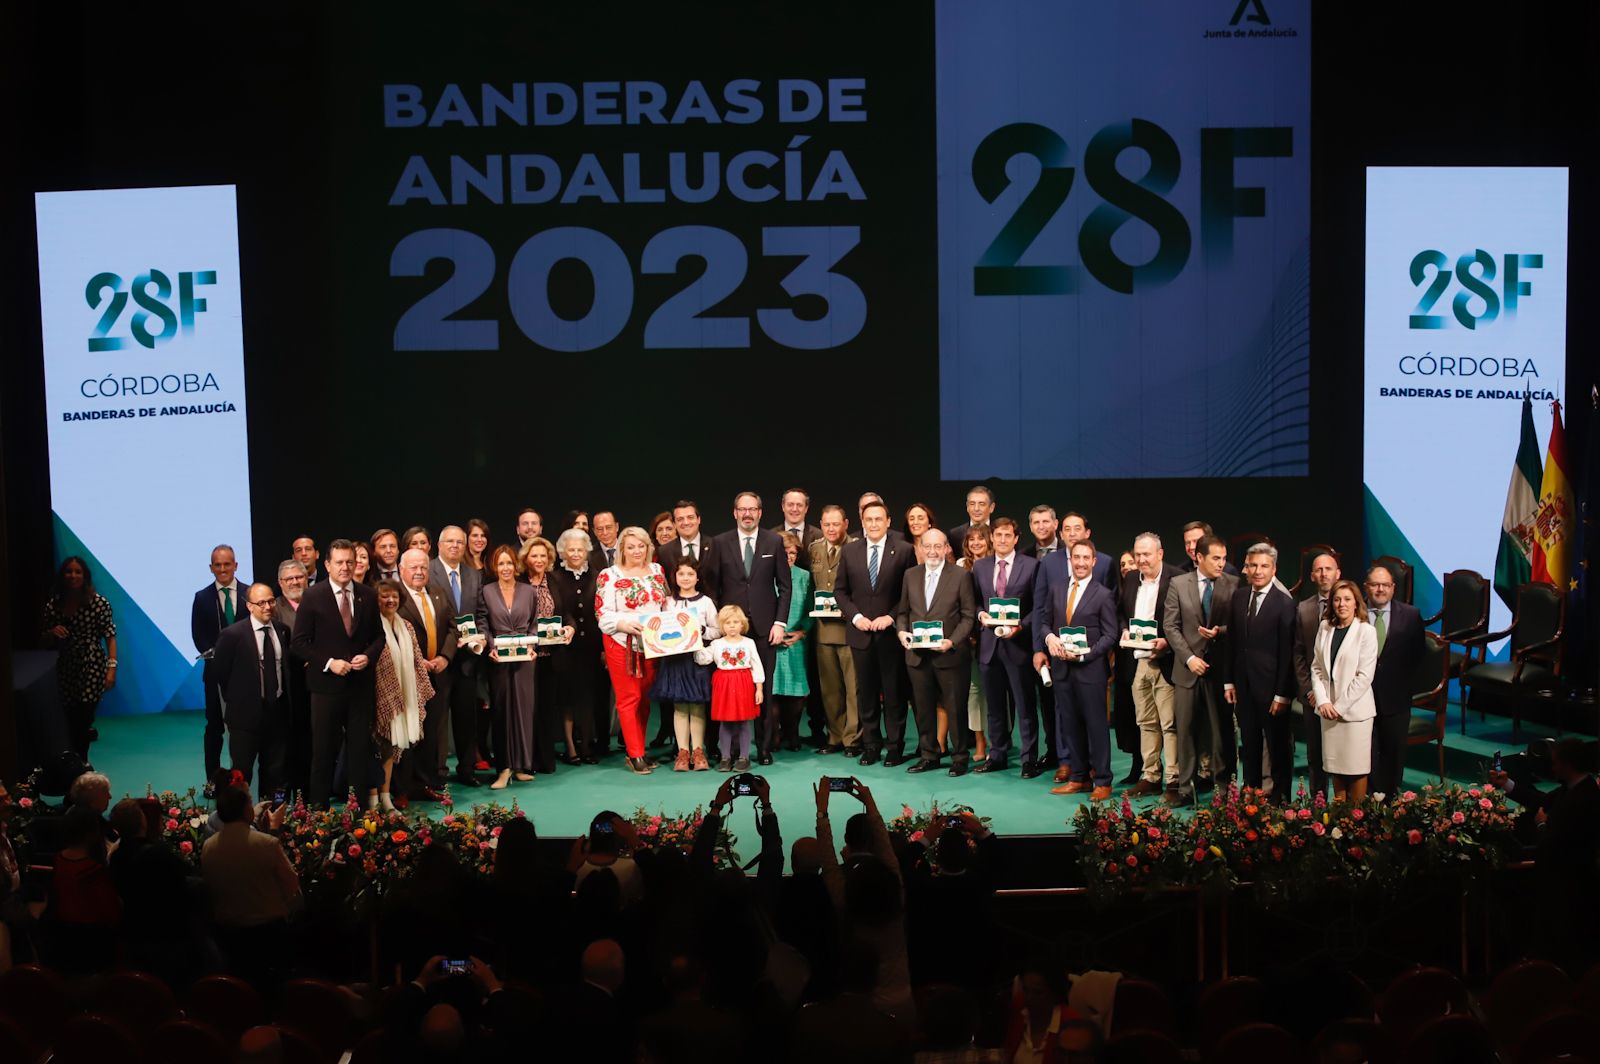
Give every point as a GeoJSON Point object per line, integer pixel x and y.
{"type": "Point", "coordinates": [1553, 521]}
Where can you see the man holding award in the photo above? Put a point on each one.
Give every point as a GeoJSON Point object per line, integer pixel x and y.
{"type": "Point", "coordinates": [1074, 628]}
{"type": "Point", "coordinates": [1148, 661]}
{"type": "Point", "coordinates": [934, 621]}
{"type": "Point", "coordinates": [1003, 583]}
{"type": "Point", "coordinates": [836, 672]}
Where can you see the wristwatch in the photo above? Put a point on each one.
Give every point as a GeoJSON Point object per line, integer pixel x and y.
{"type": "Point", "coordinates": [111, 664]}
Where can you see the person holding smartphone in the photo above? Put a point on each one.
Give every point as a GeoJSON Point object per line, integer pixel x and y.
{"type": "Point", "coordinates": [611, 843]}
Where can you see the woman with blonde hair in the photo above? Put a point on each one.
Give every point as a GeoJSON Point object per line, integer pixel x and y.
{"type": "Point", "coordinates": [624, 592]}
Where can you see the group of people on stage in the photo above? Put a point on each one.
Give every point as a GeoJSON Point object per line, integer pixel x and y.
{"type": "Point", "coordinates": [368, 661]}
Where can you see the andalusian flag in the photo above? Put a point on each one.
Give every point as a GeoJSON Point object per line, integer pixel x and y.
{"type": "Point", "coordinates": [1513, 563]}
{"type": "Point", "coordinates": [1552, 524]}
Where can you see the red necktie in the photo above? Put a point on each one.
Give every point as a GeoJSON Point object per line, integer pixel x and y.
{"type": "Point", "coordinates": [346, 612]}
{"type": "Point", "coordinates": [1000, 581]}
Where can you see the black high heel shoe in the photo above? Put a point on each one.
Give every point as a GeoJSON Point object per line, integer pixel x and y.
{"type": "Point", "coordinates": [641, 766]}
{"type": "Point", "coordinates": [571, 759]}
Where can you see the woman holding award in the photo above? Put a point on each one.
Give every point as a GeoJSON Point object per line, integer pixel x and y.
{"type": "Point", "coordinates": [576, 666]}
{"type": "Point", "coordinates": [623, 591]}
{"type": "Point", "coordinates": [507, 609]}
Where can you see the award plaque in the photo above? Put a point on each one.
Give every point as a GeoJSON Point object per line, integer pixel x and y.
{"type": "Point", "coordinates": [1141, 635]}
{"type": "Point", "coordinates": [467, 624]}
{"type": "Point", "coordinates": [926, 635]}
{"type": "Point", "coordinates": [1076, 639]}
{"type": "Point", "coordinates": [513, 648]}
{"type": "Point", "coordinates": [549, 629]}
{"type": "Point", "coordinates": [665, 634]}
{"type": "Point", "coordinates": [825, 605]}
{"type": "Point", "coordinates": [1004, 612]}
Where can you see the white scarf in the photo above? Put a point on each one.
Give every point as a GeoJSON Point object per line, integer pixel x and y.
{"type": "Point", "coordinates": [406, 727]}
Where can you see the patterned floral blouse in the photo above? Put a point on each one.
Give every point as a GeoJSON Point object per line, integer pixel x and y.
{"type": "Point", "coordinates": [618, 596]}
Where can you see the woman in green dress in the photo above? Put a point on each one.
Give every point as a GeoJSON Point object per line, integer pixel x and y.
{"type": "Point", "coordinates": [789, 687]}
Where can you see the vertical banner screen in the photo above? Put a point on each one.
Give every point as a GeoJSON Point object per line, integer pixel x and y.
{"type": "Point", "coordinates": [145, 397]}
{"type": "Point", "coordinates": [1466, 310]}
{"type": "Point", "coordinates": [1124, 204]}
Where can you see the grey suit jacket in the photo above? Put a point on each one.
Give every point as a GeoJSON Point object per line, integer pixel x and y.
{"type": "Point", "coordinates": [954, 605]}
{"type": "Point", "coordinates": [1307, 618]}
{"type": "Point", "coordinates": [471, 581]}
{"type": "Point", "coordinates": [1183, 621]}
{"type": "Point", "coordinates": [444, 620]}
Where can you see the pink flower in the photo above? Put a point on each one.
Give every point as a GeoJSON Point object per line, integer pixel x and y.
{"type": "Point", "coordinates": [1475, 792]}
{"type": "Point", "coordinates": [1414, 837]}
{"type": "Point", "coordinates": [1484, 803]}
{"type": "Point", "coordinates": [906, 810]}
{"type": "Point", "coordinates": [519, 814]}
{"type": "Point", "coordinates": [174, 811]}
{"type": "Point", "coordinates": [172, 825]}
{"type": "Point", "coordinates": [1458, 817]}
{"type": "Point", "coordinates": [186, 846]}
{"type": "Point", "coordinates": [1450, 839]}
{"type": "Point", "coordinates": [448, 820]}
{"type": "Point", "coordinates": [1200, 854]}
{"type": "Point", "coordinates": [1318, 829]}
{"type": "Point", "coordinates": [1305, 814]}
{"type": "Point", "coordinates": [1132, 861]}
{"type": "Point", "coordinates": [655, 820]}
{"type": "Point", "coordinates": [1154, 833]}
{"type": "Point", "coordinates": [1409, 796]}
{"type": "Point", "coordinates": [1102, 826]}
{"type": "Point", "coordinates": [25, 803]}
{"type": "Point", "coordinates": [495, 832]}
{"type": "Point", "coordinates": [1355, 851]}
{"type": "Point", "coordinates": [916, 836]}
{"type": "Point", "coordinates": [354, 850]}
{"type": "Point", "coordinates": [1357, 814]}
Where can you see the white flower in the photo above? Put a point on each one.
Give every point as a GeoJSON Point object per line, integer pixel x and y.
{"type": "Point", "coordinates": [494, 843]}
{"type": "Point", "coordinates": [195, 822]}
{"type": "Point", "coordinates": [1337, 833]}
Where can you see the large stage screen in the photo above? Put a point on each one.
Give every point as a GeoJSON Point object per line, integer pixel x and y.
{"type": "Point", "coordinates": [1466, 311]}
{"type": "Point", "coordinates": [1124, 206]}
{"type": "Point", "coordinates": [145, 396]}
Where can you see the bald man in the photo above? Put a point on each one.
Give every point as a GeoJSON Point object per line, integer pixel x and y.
{"type": "Point", "coordinates": [938, 590]}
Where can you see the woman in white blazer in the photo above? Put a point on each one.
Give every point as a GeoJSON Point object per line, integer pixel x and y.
{"type": "Point", "coordinates": [1341, 680]}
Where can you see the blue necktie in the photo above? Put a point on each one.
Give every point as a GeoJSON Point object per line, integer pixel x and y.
{"type": "Point", "coordinates": [872, 568]}
{"type": "Point", "coordinates": [455, 588]}
{"type": "Point", "coordinates": [1205, 602]}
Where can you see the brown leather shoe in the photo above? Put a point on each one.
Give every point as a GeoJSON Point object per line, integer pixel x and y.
{"type": "Point", "coordinates": [1142, 788]}
{"type": "Point", "coordinates": [1071, 787]}
{"type": "Point", "coordinates": [1064, 773]}
{"type": "Point", "coordinates": [1100, 794]}
{"type": "Point", "coordinates": [698, 761]}
{"type": "Point", "coordinates": [681, 763]}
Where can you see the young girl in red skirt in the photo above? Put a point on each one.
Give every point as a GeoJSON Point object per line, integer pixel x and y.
{"type": "Point", "coordinates": [735, 688]}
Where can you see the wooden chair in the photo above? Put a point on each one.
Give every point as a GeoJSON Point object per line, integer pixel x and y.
{"type": "Point", "coordinates": [1404, 577]}
{"type": "Point", "coordinates": [1520, 996]}
{"type": "Point", "coordinates": [137, 1000]}
{"type": "Point", "coordinates": [1537, 635]}
{"type": "Point", "coordinates": [1560, 1036]}
{"type": "Point", "coordinates": [1141, 1005]}
{"type": "Point", "coordinates": [1228, 1004]}
{"type": "Point", "coordinates": [1303, 587]}
{"type": "Point", "coordinates": [1463, 615]}
{"type": "Point", "coordinates": [186, 1042]}
{"type": "Point", "coordinates": [226, 1003]}
{"type": "Point", "coordinates": [1458, 1038]}
{"type": "Point", "coordinates": [1414, 997]}
{"type": "Point", "coordinates": [1256, 1043]}
{"type": "Point", "coordinates": [1430, 705]}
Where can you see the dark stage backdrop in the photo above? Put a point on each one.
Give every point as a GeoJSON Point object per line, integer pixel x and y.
{"type": "Point", "coordinates": [358, 420]}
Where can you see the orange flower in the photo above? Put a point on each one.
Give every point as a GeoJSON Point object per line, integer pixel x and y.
{"type": "Point", "coordinates": [399, 836]}
{"type": "Point", "coordinates": [360, 833]}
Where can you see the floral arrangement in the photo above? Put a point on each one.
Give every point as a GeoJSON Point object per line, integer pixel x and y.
{"type": "Point", "coordinates": [915, 825]}
{"type": "Point", "coordinates": [1298, 848]}
{"type": "Point", "coordinates": [680, 830]}
{"type": "Point", "coordinates": [183, 823]}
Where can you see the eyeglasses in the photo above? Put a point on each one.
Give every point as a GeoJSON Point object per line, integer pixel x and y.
{"type": "Point", "coordinates": [747, 509]}
{"type": "Point", "coordinates": [263, 602]}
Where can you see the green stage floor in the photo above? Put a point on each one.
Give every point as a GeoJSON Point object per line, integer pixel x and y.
{"type": "Point", "coordinates": [164, 750]}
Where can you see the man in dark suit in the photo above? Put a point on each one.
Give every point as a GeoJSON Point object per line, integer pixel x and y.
{"type": "Point", "coordinates": [796, 506]}
{"type": "Point", "coordinates": [605, 530]}
{"type": "Point", "coordinates": [753, 574]}
{"type": "Point", "coordinates": [1045, 538]}
{"type": "Point", "coordinates": [867, 586]}
{"type": "Point", "coordinates": [291, 592]}
{"type": "Point", "coordinates": [1258, 670]}
{"type": "Point", "coordinates": [304, 550]}
{"type": "Point", "coordinates": [1075, 529]}
{"type": "Point", "coordinates": [1566, 825]}
{"type": "Point", "coordinates": [1142, 598]}
{"type": "Point", "coordinates": [1009, 684]}
{"type": "Point", "coordinates": [980, 511]}
{"type": "Point", "coordinates": [1193, 533]}
{"type": "Point", "coordinates": [868, 498]}
{"type": "Point", "coordinates": [691, 542]}
{"type": "Point", "coordinates": [216, 606]}
{"type": "Point", "coordinates": [1308, 614]}
{"type": "Point", "coordinates": [1400, 647]}
{"type": "Point", "coordinates": [1076, 598]}
{"type": "Point", "coordinates": [942, 592]}
{"type": "Point", "coordinates": [1195, 607]}
{"type": "Point", "coordinates": [338, 635]}
{"type": "Point", "coordinates": [432, 616]}
{"type": "Point", "coordinates": [248, 666]}
{"type": "Point", "coordinates": [459, 583]}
